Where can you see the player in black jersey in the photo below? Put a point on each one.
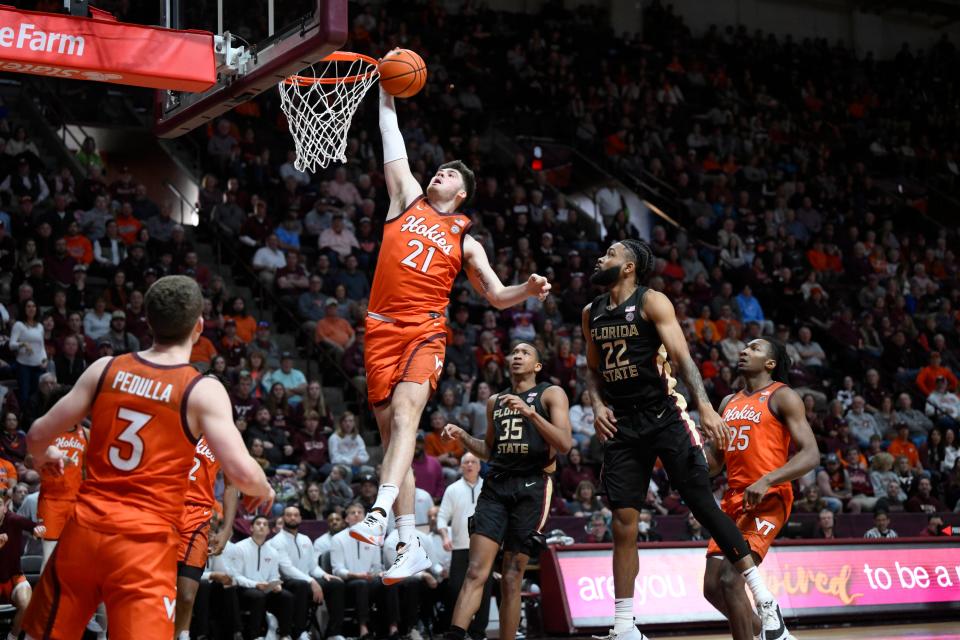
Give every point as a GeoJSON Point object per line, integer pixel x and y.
{"type": "Point", "coordinates": [527, 425]}
{"type": "Point", "coordinates": [633, 343]}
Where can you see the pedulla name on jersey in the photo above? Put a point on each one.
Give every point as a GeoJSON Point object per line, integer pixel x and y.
{"type": "Point", "coordinates": [141, 387]}
{"type": "Point", "coordinates": [433, 233]}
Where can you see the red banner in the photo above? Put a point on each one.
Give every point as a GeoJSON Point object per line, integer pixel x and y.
{"type": "Point", "coordinates": [61, 46]}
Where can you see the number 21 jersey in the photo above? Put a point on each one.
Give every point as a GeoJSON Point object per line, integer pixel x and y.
{"type": "Point", "coordinates": [420, 257]}
{"type": "Point", "coordinates": [140, 450]}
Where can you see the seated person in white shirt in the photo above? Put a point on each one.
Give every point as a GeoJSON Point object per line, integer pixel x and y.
{"type": "Point", "coordinates": [304, 577]}
{"type": "Point", "coordinates": [257, 574]}
{"type": "Point", "coordinates": [217, 593]}
{"type": "Point", "coordinates": [335, 525]}
{"type": "Point", "coordinates": [405, 599]}
{"type": "Point", "coordinates": [360, 566]}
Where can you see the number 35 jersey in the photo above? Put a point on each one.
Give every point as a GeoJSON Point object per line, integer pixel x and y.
{"type": "Point", "coordinates": [759, 442]}
{"type": "Point", "coordinates": [633, 361]}
{"type": "Point", "coordinates": [140, 450]}
{"type": "Point", "coordinates": [518, 447]}
{"type": "Point", "coordinates": [420, 257]}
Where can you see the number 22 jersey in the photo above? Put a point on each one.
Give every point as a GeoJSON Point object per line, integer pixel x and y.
{"type": "Point", "coordinates": [140, 450]}
{"type": "Point", "coordinates": [420, 258]}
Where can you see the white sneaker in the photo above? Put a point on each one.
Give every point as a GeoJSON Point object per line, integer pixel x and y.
{"type": "Point", "coordinates": [336, 638]}
{"type": "Point", "coordinates": [305, 636]}
{"type": "Point", "coordinates": [771, 622]}
{"type": "Point", "coordinates": [414, 634]}
{"type": "Point", "coordinates": [631, 634]}
{"type": "Point", "coordinates": [371, 529]}
{"type": "Point", "coordinates": [411, 560]}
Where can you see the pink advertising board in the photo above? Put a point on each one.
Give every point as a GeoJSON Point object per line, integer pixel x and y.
{"type": "Point", "coordinates": [809, 580]}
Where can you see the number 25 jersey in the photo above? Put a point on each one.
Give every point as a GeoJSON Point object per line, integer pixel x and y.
{"type": "Point", "coordinates": [420, 257]}
{"type": "Point", "coordinates": [140, 450]}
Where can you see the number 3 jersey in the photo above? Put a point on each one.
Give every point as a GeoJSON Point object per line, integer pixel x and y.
{"type": "Point", "coordinates": [759, 442]}
{"type": "Point", "coordinates": [420, 257]}
{"type": "Point", "coordinates": [141, 450]}
{"type": "Point", "coordinates": [633, 360]}
{"type": "Point", "coordinates": [518, 447]}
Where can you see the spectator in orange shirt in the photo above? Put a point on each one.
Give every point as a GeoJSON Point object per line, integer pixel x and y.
{"type": "Point", "coordinates": [704, 321]}
{"type": "Point", "coordinates": [927, 378]}
{"type": "Point", "coordinates": [902, 446]}
{"type": "Point", "coordinates": [203, 350]}
{"type": "Point", "coordinates": [79, 246]}
{"type": "Point", "coordinates": [246, 324]}
{"type": "Point", "coordinates": [8, 475]}
{"type": "Point", "coordinates": [127, 224]}
{"type": "Point", "coordinates": [334, 331]}
{"type": "Point", "coordinates": [447, 452]}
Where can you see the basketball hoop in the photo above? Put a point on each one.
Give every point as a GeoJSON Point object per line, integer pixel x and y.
{"type": "Point", "coordinates": [320, 106]}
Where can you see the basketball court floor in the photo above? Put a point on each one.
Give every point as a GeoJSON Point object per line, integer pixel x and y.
{"type": "Point", "coordinates": [923, 631]}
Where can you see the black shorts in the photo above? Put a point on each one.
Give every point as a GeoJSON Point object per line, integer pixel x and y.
{"type": "Point", "coordinates": [511, 510]}
{"type": "Point", "coordinates": [642, 436]}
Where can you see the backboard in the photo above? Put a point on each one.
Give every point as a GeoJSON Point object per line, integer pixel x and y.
{"type": "Point", "coordinates": [259, 45]}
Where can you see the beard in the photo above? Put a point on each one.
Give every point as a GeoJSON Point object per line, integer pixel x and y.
{"type": "Point", "coordinates": [605, 277]}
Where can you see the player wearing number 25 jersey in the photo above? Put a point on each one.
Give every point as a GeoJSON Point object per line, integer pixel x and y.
{"type": "Point", "coordinates": [148, 411]}
{"type": "Point", "coordinates": [762, 420]}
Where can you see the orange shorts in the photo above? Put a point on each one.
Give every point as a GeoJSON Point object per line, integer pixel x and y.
{"type": "Point", "coordinates": [760, 525]}
{"type": "Point", "coordinates": [135, 576]}
{"type": "Point", "coordinates": [53, 514]}
{"type": "Point", "coordinates": [402, 352]}
{"type": "Point", "coordinates": [8, 588]}
{"type": "Point", "coordinates": [194, 536]}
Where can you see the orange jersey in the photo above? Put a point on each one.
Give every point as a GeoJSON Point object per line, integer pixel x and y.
{"type": "Point", "coordinates": [65, 486]}
{"type": "Point", "coordinates": [203, 476]}
{"type": "Point", "coordinates": [759, 442]}
{"type": "Point", "coordinates": [420, 258]}
{"type": "Point", "coordinates": [140, 450]}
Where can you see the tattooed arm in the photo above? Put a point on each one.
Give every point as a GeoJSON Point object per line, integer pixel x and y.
{"type": "Point", "coordinates": [486, 282]}
{"type": "Point", "coordinates": [659, 310]}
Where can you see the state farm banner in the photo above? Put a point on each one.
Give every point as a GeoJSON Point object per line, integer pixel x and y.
{"type": "Point", "coordinates": [102, 49]}
{"type": "Point", "coordinates": [810, 580]}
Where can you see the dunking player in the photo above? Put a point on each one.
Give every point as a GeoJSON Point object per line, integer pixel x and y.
{"type": "Point", "coordinates": [424, 246]}
{"type": "Point", "coordinates": [148, 411]}
{"type": "Point", "coordinates": [526, 425]}
{"type": "Point", "coordinates": [632, 337]}
{"type": "Point", "coordinates": [761, 420]}
{"type": "Point", "coordinates": [195, 539]}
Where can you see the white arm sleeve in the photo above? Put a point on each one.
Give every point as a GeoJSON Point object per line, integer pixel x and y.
{"type": "Point", "coordinates": [393, 146]}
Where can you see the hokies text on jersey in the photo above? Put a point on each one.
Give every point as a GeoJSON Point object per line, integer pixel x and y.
{"type": "Point", "coordinates": [746, 413]}
{"type": "Point", "coordinates": [433, 233]}
{"type": "Point", "coordinates": [204, 450]}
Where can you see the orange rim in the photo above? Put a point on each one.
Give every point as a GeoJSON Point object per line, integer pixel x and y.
{"type": "Point", "coordinates": [337, 56]}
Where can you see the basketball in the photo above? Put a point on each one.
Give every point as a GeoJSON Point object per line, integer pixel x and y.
{"type": "Point", "coordinates": [402, 73]}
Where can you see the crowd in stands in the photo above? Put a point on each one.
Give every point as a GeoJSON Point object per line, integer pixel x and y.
{"type": "Point", "coordinates": [782, 157]}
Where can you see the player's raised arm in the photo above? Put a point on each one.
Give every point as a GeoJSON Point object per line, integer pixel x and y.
{"type": "Point", "coordinates": [68, 411]}
{"type": "Point", "coordinates": [210, 412]}
{"type": "Point", "coordinates": [659, 310]}
{"type": "Point", "coordinates": [486, 282]}
{"type": "Point", "coordinates": [402, 187]}
{"type": "Point", "coordinates": [787, 405]}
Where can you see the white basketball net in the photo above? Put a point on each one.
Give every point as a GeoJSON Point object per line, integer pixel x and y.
{"type": "Point", "coordinates": [319, 113]}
